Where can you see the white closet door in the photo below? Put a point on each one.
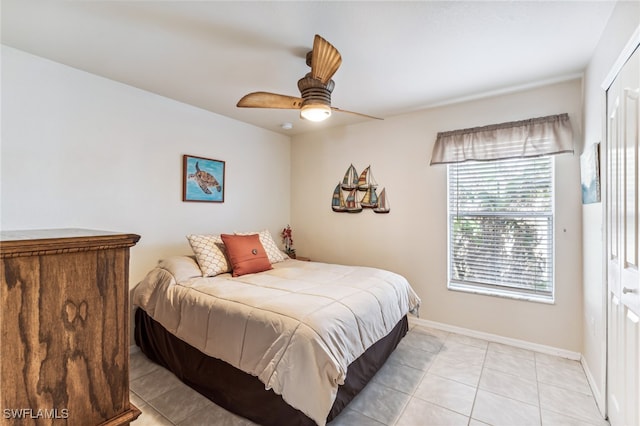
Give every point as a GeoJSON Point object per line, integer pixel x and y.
{"type": "Point", "coordinates": [622, 167]}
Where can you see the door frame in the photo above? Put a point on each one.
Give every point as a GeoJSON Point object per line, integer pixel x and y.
{"type": "Point", "coordinates": [623, 57]}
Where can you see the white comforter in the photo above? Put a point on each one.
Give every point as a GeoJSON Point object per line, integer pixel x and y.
{"type": "Point", "coordinates": [296, 327]}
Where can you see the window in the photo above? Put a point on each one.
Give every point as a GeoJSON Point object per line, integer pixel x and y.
{"type": "Point", "coordinates": [501, 227]}
{"type": "Point", "coordinates": [501, 204]}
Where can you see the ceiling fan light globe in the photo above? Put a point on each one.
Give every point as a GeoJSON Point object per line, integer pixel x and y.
{"type": "Point", "coordinates": [315, 112]}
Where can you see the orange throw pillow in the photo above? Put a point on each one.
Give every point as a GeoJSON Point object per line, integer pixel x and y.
{"type": "Point", "coordinates": [246, 254]}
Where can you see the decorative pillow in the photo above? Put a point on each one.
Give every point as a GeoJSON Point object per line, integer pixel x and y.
{"type": "Point", "coordinates": [273, 252]}
{"type": "Point", "coordinates": [246, 254]}
{"type": "Point", "coordinates": [181, 267]}
{"type": "Point", "coordinates": [210, 254]}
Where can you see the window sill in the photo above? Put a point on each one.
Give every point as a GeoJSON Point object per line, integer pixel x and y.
{"type": "Point", "coordinates": [504, 294]}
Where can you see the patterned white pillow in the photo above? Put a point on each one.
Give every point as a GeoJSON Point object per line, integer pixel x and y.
{"type": "Point", "coordinates": [210, 254]}
{"type": "Point", "coordinates": [274, 254]}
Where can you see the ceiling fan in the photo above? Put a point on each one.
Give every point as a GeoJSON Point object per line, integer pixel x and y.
{"type": "Point", "coordinates": [315, 87]}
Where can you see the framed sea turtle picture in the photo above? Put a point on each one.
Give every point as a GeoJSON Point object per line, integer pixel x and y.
{"type": "Point", "coordinates": [203, 179]}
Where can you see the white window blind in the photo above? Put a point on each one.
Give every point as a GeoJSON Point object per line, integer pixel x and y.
{"type": "Point", "coordinates": [501, 226]}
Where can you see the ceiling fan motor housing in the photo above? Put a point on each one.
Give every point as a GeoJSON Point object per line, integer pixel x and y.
{"type": "Point", "coordinates": [315, 92]}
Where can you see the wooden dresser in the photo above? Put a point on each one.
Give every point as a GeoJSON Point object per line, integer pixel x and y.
{"type": "Point", "coordinates": [64, 328]}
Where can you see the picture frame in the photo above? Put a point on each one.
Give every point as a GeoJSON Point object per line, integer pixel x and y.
{"type": "Point", "coordinates": [590, 174]}
{"type": "Point", "coordinates": [203, 179]}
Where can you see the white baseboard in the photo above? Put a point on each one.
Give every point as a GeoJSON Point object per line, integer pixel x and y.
{"type": "Point", "coordinates": [536, 347]}
{"type": "Point", "coordinates": [595, 390]}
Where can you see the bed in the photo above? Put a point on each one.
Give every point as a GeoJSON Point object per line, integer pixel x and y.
{"type": "Point", "coordinates": [292, 344]}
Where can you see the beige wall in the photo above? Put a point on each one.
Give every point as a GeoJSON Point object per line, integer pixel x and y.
{"type": "Point", "coordinates": [79, 150]}
{"type": "Point", "coordinates": [624, 20]}
{"type": "Point", "coordinates": [412, 239]}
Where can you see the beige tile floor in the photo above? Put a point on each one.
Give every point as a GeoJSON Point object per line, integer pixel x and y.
{"type": "Point", "coordinates": [433, 378]}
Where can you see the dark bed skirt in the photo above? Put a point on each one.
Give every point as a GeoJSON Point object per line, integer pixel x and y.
{"type": "Point", "coordinates": [242, 393]}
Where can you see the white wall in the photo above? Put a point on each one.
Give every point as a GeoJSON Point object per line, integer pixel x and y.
{"type": "Point", "coordinates": [412, 239]}
{"type": "Point", "coordinates": [82, 151]}
{"type": "Point", "coordinates": [622, 23]}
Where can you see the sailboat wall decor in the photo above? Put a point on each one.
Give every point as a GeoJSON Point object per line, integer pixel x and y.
{"type": "Point", "coordinates": [350, 180]}
{"type": "Point", "coordinates": [351, 185]}
{"type": "Point", "coordinates": [383, 203]}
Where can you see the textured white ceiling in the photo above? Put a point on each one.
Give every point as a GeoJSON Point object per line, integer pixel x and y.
{"type": "Point", "coordinates": [397, 56]}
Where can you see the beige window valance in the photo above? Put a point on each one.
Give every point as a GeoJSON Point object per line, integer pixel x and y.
{"type": "Point", "coordinates": [517, 139]}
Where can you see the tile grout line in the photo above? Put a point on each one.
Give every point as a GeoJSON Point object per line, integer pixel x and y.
{"type": "Point", "coordinates": [424, 374]}
{"type": "Point", "coordinates": [452, 380]}
{"type": "Point", "coordinates": [535, 368]}
{"type": "Point", "coordinates": [475, 397]}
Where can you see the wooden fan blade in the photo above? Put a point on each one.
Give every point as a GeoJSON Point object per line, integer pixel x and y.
{"type": "Point", "coordinates": [325, 60]}
{"type": "Point", "coordinates": [269, 100]}
{"type": "Point", "coordinates": [356, 113]}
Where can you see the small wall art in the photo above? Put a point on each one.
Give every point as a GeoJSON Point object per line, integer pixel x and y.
{"type": "Point", "coordinates": [590, 174]}
{"type": "Point", "coordinates": [347, 196]}
{"type": "Point", "coordinates": [203, 179]}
